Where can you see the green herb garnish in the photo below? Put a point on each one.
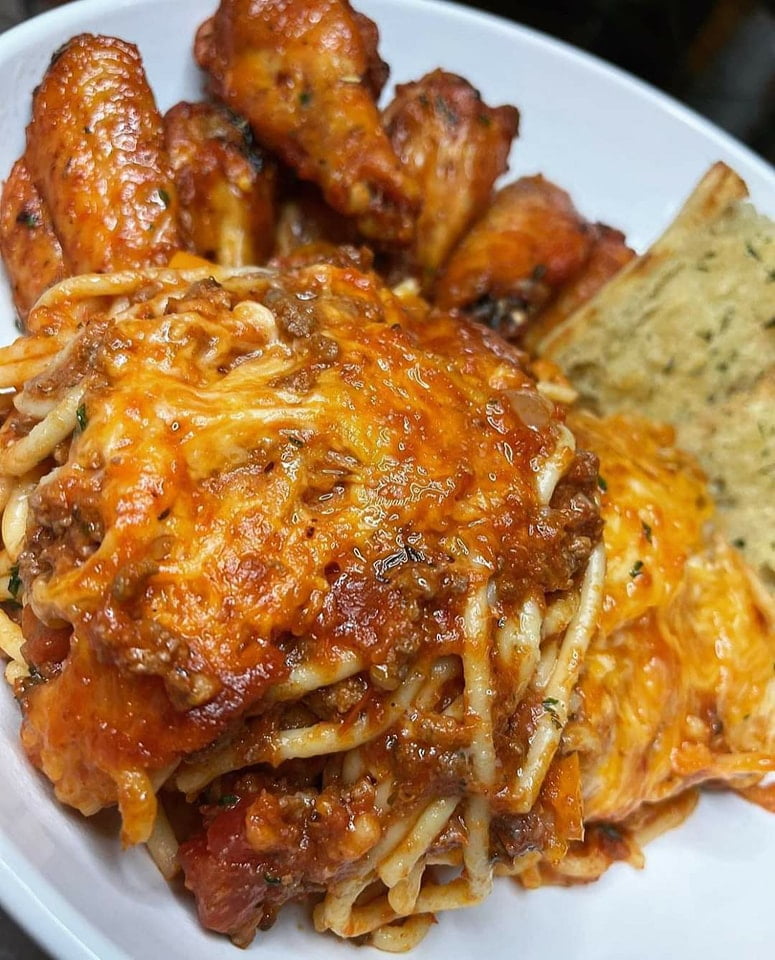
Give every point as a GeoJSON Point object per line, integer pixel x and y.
{"type": "Point", "coordinates": [550, 706]}
{"type": "Point", "coordinates": [646, 530]}
{"type": "Point", "coordinates": [164, 196]}
{"type": "Point", "coordinates": [14, 581]}
{"type": "Point", "coordinates": [228, 800]}
{"type": "Point", "coordinates": [81, 417]}
{"type": "Point", "coordinates": [602, 484]}
{"type": "Point", "coordinates": [637, 569]}
{"type": "Point", "coordinates": [28, 219]}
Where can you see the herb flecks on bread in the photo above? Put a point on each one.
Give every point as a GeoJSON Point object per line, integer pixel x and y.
{"type": "Point", "coordinates": [686, 334]}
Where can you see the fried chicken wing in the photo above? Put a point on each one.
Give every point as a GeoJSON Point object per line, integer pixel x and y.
{"type": "Point", "coordinates": [28, 245]}
{"type": "Point", "coordinates": [377, 70]}
{"type": "Point", "coordinates": [608, 255]}
{"type": "Point", "coordinates": [305, 220]}
{"type": "Point", "coordinates": [455, 147]}
{"type": "Point", "coordinates": [303, 75]}
{"type": "Point", "coordinates": [226, 184]}
{"type": "Point", "coordinates": [529, 243]}
{"type": "Point", "coordinates": [95, 150]}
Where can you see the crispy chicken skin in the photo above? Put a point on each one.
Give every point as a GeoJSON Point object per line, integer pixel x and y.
{"type": "Point", "coordinates": [302, 74]}
{"type": "Point", "coordinates": [377, 70]}
{"type": "Point", "coordinates": [95, 151]}
{"type": "Point", "coordinates": [455, 147]}
{"type": "Point", "coordinates": [305, 221]}
{"type": "Point", "coordinates": [608, 255]}
{"type": "Point", "coordinates": [528, 243]}
{"type": "Point", "coordinates": [226, 185]}
{"type": "Point", "coordinates": [28, 245]}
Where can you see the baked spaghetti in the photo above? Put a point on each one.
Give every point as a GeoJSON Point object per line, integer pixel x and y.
{"type": "Point", "coordinates": [321, 562]}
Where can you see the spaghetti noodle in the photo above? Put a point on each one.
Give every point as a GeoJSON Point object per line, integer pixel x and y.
{"type": "Point", "coordinates": [308, 577]}
{"type": "Point", "coordinates": [261, 575]}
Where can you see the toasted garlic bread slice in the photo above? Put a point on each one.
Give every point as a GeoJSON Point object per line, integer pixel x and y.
{"type": "Point", "coordinates": [686, 334]}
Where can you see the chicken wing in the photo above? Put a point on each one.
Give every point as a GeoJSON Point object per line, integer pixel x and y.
{"type": "Point", "coordinates": [28, 244]}
{"type": "Point", "coordinates": [608, 255]}
{"type": "Point", "coordinates": [305, 220]}
{"type": "Point", "coordinates": [225, 184]}
{"type": "Point", "coordinates": [529, 242]}
{"type": "Point", "coordinates": [455, 147]}
{"type": "Point", "coordinates": [377, 70]}
{"type": "Point", "coordinates": [95, 149]}
{"type": "Point", "coordinates": [302, 74]}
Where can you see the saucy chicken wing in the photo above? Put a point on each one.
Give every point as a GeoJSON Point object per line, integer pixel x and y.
{"type": "Point", "coordinates": [305, 220]}
{"type": "Point", "coordinates": [225, 184]}
{"type": "Point", "coordinates": [608, 255]}
{"type": "Point", "coordinates": [455, 147]}
{"type": "Point", "coordinates": [28, 244]}
{"type": "Point", "coordinates": [303, 75]}
{"type": "Point", "coordinates": [95, 150]}
{"type": "Point", "coordinates": [529, 242]}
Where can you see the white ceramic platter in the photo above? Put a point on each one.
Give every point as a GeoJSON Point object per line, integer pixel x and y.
{"type": "Point", "coordinates": [628, 156]}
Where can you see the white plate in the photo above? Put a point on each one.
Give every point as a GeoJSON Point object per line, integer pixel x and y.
{"type": "Point", "coordinates": [629, 156]}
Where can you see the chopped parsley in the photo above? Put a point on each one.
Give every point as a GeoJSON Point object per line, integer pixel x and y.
{"type": "Point", "coordinates": [164, 196]}
{"type": "Point", "coordinates": [29, 219]}
{"type": "Point", "coordinates": [272, 880]}
{"type": "Point", "coordinates": [305, 98]}
{"type": "Point", "coordinates": [637, 569]}
{"type": "Point", "coordinates": [602, 485]}
{"type": "Point", "coordinates": [14, 581]}
{"type": "Point", "coordinates": [228, 800]}
{"type": "Point", "coordinates": [550, 706]}
{"type": "Point", "coordinates": [81, 417]}
{"type": "Point", "coordinates": [646, 530]}
{"type": "Point", "coordinates": [444, 109]}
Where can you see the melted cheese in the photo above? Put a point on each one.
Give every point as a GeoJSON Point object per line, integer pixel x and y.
{"type": "Point", "coordinates": [273, 476]}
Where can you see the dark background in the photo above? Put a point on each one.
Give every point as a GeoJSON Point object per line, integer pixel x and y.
{"type": "Point", "coordinates": [718, 56]}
